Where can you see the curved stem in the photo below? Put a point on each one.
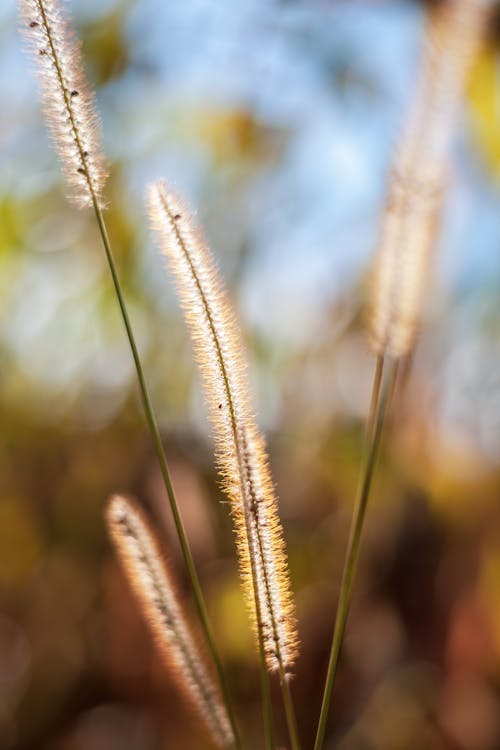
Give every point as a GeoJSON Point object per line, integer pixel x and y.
{"type": "Point", "coordinates": [155, 433]}
{"type": "Point", "coordinates": [378, 410]}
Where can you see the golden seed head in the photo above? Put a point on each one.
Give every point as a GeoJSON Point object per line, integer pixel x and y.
{"type": "Point", "coordinates": [151, 582]}
{"type": "Point", "coordinates": [411, 219]}
{"type": "Point", "coordinates": [241, 453]}
{"type": "Point", "coordinates": [68, 102]}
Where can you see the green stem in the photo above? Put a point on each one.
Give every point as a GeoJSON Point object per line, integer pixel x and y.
{"type": "Point", "coordinates": [289, 710]}
{"type": "Point", "coordinates": [155, 433]}
{"type": "Point", "coordinates": [375, 397]}
{"type": "Point", "coordinates": [266, 697]}
{"type": "Point", "coordinates": [378, 410]}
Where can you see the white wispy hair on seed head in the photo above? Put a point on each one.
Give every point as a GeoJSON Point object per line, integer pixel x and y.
{"type": "Point", "coordinates": [68, 101]}
{"type": "Point", "coordinates": [151, 582]}
{"type": "Point", "coordinates": [241, 452]}
{"type": "Point", "coordinates": [411, 219]}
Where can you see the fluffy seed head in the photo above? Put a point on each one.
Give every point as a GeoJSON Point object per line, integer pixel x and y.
{"type": "Point", "coordinates": [152, 586]}
{"type": "Point", "coordinates": [241, 452]}
{"type": "Point", "coordinates": [411, 220]}
{"type": "Point", "coordinates": [68, 101]}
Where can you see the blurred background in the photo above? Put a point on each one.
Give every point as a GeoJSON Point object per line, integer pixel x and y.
{"type": "Point", "coordinates": [277, 120]}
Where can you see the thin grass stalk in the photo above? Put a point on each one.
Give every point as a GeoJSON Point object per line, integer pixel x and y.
{"type": "Point", "coordinates": [79, 158]}
{"type": "Point", "coordinates": [265, 687]}
{"type": "Point", "coordinates": [375, 396]}
{"type": "Point", "coordinates": [162, 459]}
{"type": "Point", "coordinates": [291, 718]}
{"type": "Point", "coordinates": [241, 455]}
{"type": "Point", "coordinates": [379, 404]}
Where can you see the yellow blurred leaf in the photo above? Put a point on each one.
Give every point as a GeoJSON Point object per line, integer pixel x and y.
{"type": "Point", "coordinates": [484, 96]}
{"type": "Point", "coordinates": [105, 46]}
{"type": "Point", "coordinates": [232, 620]}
